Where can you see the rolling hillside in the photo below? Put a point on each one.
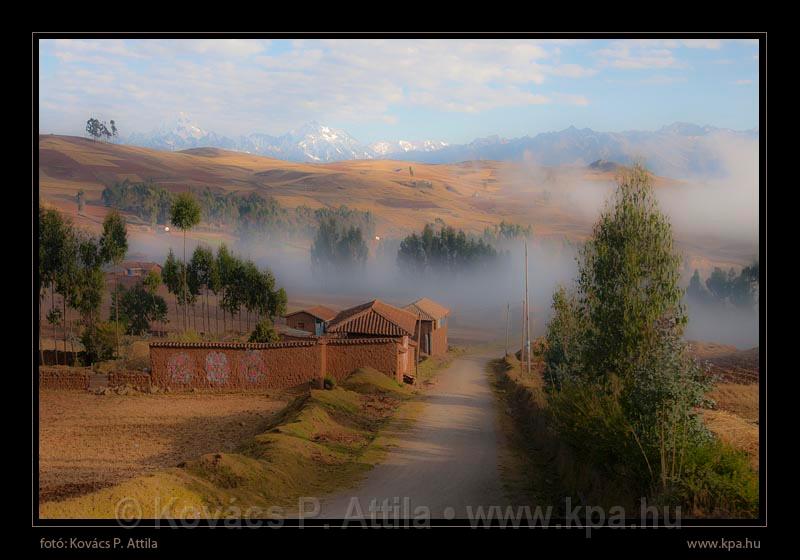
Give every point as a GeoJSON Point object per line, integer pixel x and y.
{"type": "Point", "coordinates": [559, 202]}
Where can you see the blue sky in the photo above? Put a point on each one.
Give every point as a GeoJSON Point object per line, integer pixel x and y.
{"type": "Point", "coordinates": [399, 89]}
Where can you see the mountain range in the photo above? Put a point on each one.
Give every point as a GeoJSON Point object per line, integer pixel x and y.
{"type": "Point", "coordinates": [677, 150]}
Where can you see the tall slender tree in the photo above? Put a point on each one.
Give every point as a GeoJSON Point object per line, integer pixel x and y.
{"type": "Point", "coordinates": [184, 215]}
{"type": "Point", "coordinates": [52, 236]}
{"type": "Point", "coordinates": [172, 276]}
{"type": "Point", "coordinates": [114, 247]}
{"type": "Point", "coordinates": [204, 267]}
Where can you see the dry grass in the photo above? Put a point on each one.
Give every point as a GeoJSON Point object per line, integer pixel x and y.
{"type": "Point", "coordinates": [734, 417]}
{"type": "Point", "coordinates": [734, 430]}
{"type": "Point", "coordinates": [88, 442]}
{"type": "Point", "coordinates": [321, 441]}
{"type": "Point", "coordinates": [738, 399]}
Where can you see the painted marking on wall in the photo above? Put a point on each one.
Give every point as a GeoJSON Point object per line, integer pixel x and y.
{"type": "Point", "coordinates": [217, 368]}
{"type": "Point", "coordinates": [179, 368]}
{"type": "Point", "coordinates": [253, 366]}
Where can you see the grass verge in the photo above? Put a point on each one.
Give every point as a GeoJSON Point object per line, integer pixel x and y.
{"type": "Point", "coordinates": [545, 466]}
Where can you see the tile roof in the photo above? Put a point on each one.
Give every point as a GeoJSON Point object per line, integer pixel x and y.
{"type": "Point", "coordinates": [376, 318]}
{"type": "Point", "coordinates": [427, 309]}
{"type": "Point", "coordinates": [318, 311]}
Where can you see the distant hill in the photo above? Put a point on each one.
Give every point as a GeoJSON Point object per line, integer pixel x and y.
{"type": "Point", "coordinates": [559, 202]}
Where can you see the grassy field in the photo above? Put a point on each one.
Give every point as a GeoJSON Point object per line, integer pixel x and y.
{"type": "Point", "coordinates": [88, 442]}
{"type": "Point", "coordinates": [321, 441]}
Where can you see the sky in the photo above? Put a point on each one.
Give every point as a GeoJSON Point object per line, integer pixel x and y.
{"type": "Point", "coordinates": [391, 89]}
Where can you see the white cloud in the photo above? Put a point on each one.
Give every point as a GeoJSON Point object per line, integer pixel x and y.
{"type": "Point", "coordinates": [637, 55]}
{"type": "Point", "coordinates": [231, 83]}
{"type": "Point", "coordinates": [714, 44]}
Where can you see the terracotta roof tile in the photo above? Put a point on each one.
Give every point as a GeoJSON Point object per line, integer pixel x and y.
{"type": "Point", "coordinates": [318, 311]}
{"type": "Point", "coordinates": [427, 309]}
{"type": "Point", "coordinates": [376, 318]}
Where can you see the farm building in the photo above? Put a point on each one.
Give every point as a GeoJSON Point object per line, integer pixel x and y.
{"type": "Point", "coordinates": [313, 320]}
{"type": "Point", "coordinates": [374, 318]}
{"type": "Point", "coordinates": [431, 326]}
{"type": "Point", "coordinates": [138, 268]}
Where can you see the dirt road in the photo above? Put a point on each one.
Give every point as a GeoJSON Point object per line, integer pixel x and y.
{"type": "Point", "coordinates": [446, 462]}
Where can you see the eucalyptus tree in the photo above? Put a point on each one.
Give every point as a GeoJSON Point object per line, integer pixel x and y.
{"type": "Point", "coordinates": [205, 270]}
{"type": "Point", "coordinates": [171, 274]}
{"type": "Point", "coordinates": [184, 215]}
{"type": "Point", "coordinates": [114, 247]}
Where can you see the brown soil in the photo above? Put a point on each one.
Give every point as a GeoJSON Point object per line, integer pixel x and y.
{"type": "Point", "coordinates": [87, 442]}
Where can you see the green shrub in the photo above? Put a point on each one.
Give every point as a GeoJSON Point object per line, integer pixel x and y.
{"type": "Point", "coordinates": [592, 422]}
{"type": "Point", "coordinates": [189, 335]}
{"type": "Point", "coordinates": [264, 332]}
{"type": "Point", "coordinates": [329, 383]}
{"type": "Point", "coordinates": [99, 341]}
{"type": "Point", "coordinates": [718, 481]}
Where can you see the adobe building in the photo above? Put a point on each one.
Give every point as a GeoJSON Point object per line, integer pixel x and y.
{"type": "Point", "coordinates": [373, 319]}
{"type": "Point", "coordinates": [378, 320]}
{"type": "Point", "coordinates": [313, 320]}
{"type": "Point", "coordinates": [138, 269]}
{"type": "Point", "coordinates": [431, 326]}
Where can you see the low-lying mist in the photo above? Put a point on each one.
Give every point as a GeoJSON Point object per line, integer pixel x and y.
{"type": "Point", "coordinates": [714, 217]}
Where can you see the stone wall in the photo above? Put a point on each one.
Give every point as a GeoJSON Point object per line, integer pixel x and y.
{"type": "Point", "coordinates": [64, 378]}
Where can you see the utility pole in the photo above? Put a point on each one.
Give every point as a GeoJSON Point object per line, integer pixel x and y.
{"type": "Point", "coordinates": [527, 319]}
{"type": "Point", "coordinates": [508, 317]}
{"type": "Point", "coordinates": [522, 343]}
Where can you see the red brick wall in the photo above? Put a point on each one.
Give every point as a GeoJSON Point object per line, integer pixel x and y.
{"type": "Point", "coordinates": [344, 356]}
{"type": "Point", "coordinates": [235, 366]}
{"type": "Point", "coordinates": [240, 366]}
{"type": "Point", "coordinates": [64, 378]}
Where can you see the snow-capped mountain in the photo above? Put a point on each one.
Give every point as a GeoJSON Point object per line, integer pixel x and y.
{"type": "Point", "coordinates": [179, 134]}
{"type": "Point", "coordinates": [677, 150]}
{"type": "Point", "coordinates": [317, 142]}
{"type": "Point", "coordinates": [312, 142]}
{"type": "Point", "coordinates": [387, 147]}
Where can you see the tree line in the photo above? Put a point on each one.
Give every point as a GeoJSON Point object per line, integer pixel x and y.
{"type": "Point", "coordinates": [506, 231]}
{"type": "Point", "coordinates": [241, 290]}
{"type": "Point", "coordinates": [448, 250]}
{"type": "Point", "coordinates": [72, 264]}
{"type": "Point", "coordinates": [721, 287]}
{"type": "Point", "coordinates": [238, 283]}
{"type": "Point", "coordinates": [252, 215]}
